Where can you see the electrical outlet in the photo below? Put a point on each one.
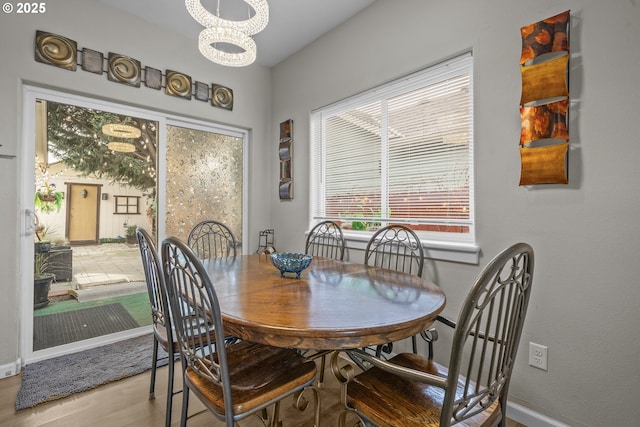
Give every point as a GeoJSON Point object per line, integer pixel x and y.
{"type": "Point", "coordinates": [538, 356]}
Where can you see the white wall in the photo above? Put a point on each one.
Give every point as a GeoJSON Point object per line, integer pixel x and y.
{"type": "Point", "coordinates": [93, 25]}
{"type": "Point", "coordinates": [586, 290]}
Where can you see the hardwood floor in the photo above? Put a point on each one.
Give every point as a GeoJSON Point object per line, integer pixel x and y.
{"type": "Point", "coordinates": [125, 403]}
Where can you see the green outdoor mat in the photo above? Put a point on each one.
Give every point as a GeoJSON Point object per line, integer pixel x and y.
{"type": "Point", "coordinates": [62, 328]}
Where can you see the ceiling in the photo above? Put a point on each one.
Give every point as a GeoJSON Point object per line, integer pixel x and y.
{"type": "Point", "coordinates": [293, 24]}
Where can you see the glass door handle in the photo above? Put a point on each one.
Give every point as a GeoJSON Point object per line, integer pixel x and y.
{"type": "Point", "coordinates": [29, 222]}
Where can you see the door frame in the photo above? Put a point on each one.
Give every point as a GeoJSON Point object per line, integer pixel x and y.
{"type": "Point", "coordinates": [26, 176]}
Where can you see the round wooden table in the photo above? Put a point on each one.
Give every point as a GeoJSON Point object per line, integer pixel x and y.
{"type": "Point", "coordinates": [334, 305]}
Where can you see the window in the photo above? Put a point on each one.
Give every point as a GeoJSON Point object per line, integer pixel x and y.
{"type": "Point", "coordinates": [127, 205]}
{"type": "Point", "coordinates": [400, 153]}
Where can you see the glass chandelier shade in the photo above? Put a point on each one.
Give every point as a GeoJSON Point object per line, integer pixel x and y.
{"type": "Point", "coordinates": [121, 131]}
{"type": "Point", "coordinates": [220, 32]}
{"type": "Point", "coordinates": [121, 146]}
{"type": "Point", "coordinates": [209, 37]}
{"type": "Point", "coordinates": [250, 26]}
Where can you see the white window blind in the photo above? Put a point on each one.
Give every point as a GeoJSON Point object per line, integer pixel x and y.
{"type": "Point", "coordinates": [400, 153]}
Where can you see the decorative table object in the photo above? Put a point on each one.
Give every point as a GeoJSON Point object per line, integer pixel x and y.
{"type": "Point", "coordinates": [290, 262]}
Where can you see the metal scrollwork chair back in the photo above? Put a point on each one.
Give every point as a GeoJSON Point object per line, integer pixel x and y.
{"type": "Point", "coordinates": [231, 381]}
{"type": "Point", "coordinates": [212, 239]}
{"type": "Point", "coordinates": [326, 240]}
{"type": "Point", "coordinates": [395, 247]}
{"type": "Point", "coordinates": [474, 386]}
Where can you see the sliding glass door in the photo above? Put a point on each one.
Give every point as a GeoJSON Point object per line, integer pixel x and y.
{"type": "Point", "coordinates": [160, 173]}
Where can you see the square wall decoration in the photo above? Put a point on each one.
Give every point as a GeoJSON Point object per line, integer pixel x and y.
{"type": "Point", "coordinates": [222, 97]}
{"type": "Point", "coordinates": [544, 102]}
{"type": "Point", "coordinates": [92, 61]}
{"type": "Point", "coordinates": [56, 50]}
{"type": "Point", "coordinates": [62, 52]}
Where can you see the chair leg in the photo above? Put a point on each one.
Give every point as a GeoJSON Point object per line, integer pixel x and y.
{"type": "Point", "coordinates": [275, 421]}
{"type": "Point", "coordinates": [414, 344]}
{"type": "Point", "coordinates": [154, 364]}
{"type": "Point", "coordinates": [503, 404]}
{"type": "Point", "coordinates": [185, 405]}
{"type": "Point", "coordinates": [170, 392]}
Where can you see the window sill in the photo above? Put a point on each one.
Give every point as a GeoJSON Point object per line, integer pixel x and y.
{"type": "Point", "coordinates": [464, 252]}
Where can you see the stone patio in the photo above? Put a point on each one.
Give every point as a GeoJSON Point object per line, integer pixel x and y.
{"type": "Point", "coordinates": [103, 271]}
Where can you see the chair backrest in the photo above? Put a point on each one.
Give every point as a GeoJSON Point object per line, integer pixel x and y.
{"type": "Point", "coordinates": [154, 278]}
{"type": "Point", "coordinates": [395, 247]}
{"type": "Point", "coordinates": [487, 335]}
{"type": "Point", "coordinates": [212, 239]}
{"type": "Point", "coordinates": [196, 316]}
{"type": "Point", "coordinates": [326, 240]}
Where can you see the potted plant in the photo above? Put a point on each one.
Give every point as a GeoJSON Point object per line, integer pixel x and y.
{"type": "Point", "coordinates": [61, 260]}
{"type": "Point", "coordinates": [42, 279]}
{"type": "Point", "coordinates": [131, 234]}
{"type": "Point", "coordinates": [47, 199]}
{"type": "Point", "coordinates": [42, 243]}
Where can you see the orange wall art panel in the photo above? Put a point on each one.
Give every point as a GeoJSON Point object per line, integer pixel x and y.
{"type": "Point", "coordinates": [544, 102]}
{"type": "Point", "coordinates": [544, 121]}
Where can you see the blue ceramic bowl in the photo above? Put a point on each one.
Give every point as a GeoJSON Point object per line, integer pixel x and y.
{"type": "Point", "coordinates": [290, 262]}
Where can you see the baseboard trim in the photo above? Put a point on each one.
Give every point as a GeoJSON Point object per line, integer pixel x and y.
{"type": "Point", "coordinates": [531, 418]}
{"type": "Point", "coordinates": [10, 369]}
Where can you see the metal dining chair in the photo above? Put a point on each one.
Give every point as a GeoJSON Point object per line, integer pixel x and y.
{"type": "Point", "coordinates": [162, 332]}
{"type": "Point", "coordinates": [472, 390]}
{"type": "Point", "coordinates": [396, 247]}
{"type": "Point", "coordinates": [232, 382]}
{"type": "Point", "coordinates": [326, 240]}
{"type": "Point", "coordinates": [212, 239]}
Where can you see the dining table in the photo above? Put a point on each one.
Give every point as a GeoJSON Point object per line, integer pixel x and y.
{"type": "Point", "coordinates": [333, 305]}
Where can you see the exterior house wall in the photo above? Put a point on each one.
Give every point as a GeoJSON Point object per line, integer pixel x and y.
{"type": "Point", "coordinates": [111, 225]}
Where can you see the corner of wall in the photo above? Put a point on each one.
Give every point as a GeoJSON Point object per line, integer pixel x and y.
{"type": "Point", "coordinates": [10, 369]}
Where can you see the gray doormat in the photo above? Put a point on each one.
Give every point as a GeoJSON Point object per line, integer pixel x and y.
{"type": "Point", "coordinates": [62, 376]}
{"type": "Point", "coordinates": [56, 329]}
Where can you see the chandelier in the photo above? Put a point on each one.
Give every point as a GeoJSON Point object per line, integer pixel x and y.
{"type": "Point", "coordinates": [121, 146]}
{"type": "Point", "coordinates": [121, 131]}
{"type": "Point", "coordinates": [219, 31]}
